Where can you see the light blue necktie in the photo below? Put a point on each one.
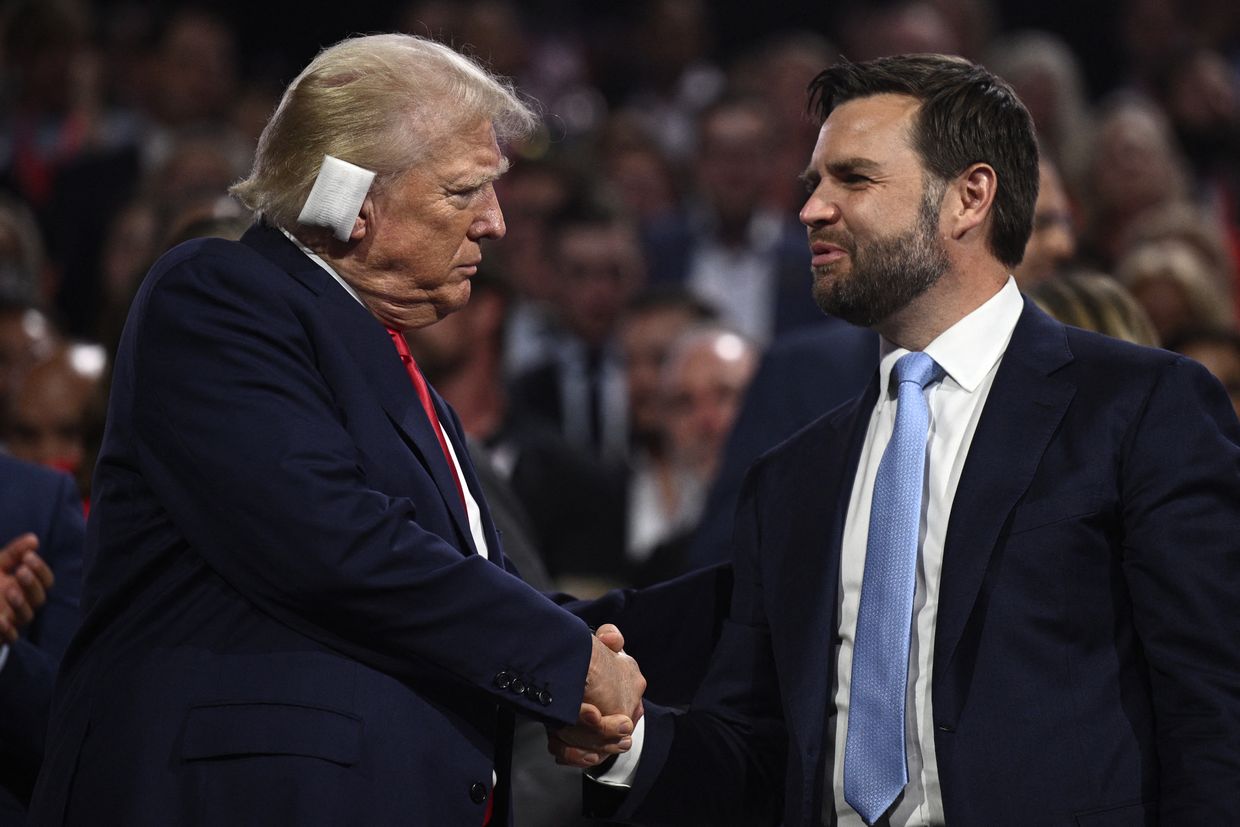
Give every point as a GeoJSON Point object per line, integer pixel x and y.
{"type": "Point", "coordinates": [875, 769]}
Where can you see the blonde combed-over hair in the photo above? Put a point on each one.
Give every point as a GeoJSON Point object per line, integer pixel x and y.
{"type": "Point", "coordinates": [383, 102]}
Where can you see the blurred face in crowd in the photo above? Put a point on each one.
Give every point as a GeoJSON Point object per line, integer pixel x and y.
{"type": "Point", "coordinates": [52, 407]}
{"type": "Point", "coordinates": [703, 387]}
{"type": "Point", "coordinates": [1135, 165]}
{"type": "Point", "coordinates": [646, 338]}
{"type": "Point", "coordinates": [1053, 241]}
{"type": "Point", "coordinates": [422, 235]}
{"type": "Point", "coordinates": [600, 268]}
{"type": "Point", "coordinates": [873, 221]}
{"type": "Point", "coordinates": [734, 165]}
{"type": "Point", "coordinates": [26, 336]}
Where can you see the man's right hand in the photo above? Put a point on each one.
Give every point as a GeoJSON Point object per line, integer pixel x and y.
{"type": "Point", "coordinates": [24, 581]}
{"type": "Point", "coordinates": [613, 682]}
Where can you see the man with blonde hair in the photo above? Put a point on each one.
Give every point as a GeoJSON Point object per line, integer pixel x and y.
{"type": "Point", "coordinates": [297, 609]}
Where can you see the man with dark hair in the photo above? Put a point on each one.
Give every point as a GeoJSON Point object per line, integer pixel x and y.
{"type": "Point", "coordinates": [999, 590]}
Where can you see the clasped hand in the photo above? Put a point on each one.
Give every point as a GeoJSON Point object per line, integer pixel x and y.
{"type": "Point", "coordinates": [24, 581]}
{"type": "Point", "coordinates": [610, 709]}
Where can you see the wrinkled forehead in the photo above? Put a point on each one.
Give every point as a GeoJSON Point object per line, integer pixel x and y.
{"type": "Point", "coordinates": [884, 120]}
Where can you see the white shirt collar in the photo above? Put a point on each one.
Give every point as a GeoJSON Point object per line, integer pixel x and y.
{"type": "Point", "coordinates": [319, 261]}
{"type": "Point", "coordinates": [972, 346]}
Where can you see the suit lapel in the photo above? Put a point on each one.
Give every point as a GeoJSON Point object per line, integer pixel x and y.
{"type": "Point", "coordinates": [816, 505]}
{"type": "Point", "coordinates": [1024, 408]}
{"type": "Point", "coordinates": [371, 348]}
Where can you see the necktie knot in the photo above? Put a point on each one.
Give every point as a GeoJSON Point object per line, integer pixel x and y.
{"type": "Point", "coordinates": [917, 367]}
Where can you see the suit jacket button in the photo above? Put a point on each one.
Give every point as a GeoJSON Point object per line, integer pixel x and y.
{"type": "Point", "coordinates": [517, 686]}
{"type": "Point", "coordinates": [544, 697]}
{"type": "Point", "coordinates": [477, 792]}
{"type": "Point", "coordinates": [503, 680]}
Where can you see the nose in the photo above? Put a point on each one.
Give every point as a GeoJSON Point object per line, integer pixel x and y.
{"type": "Point", "coordinates": [819, 210]}
{"type": "Point", "coordinates": [489, 222]}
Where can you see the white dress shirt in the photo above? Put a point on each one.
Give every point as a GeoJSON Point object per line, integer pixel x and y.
{"type": "Point", "coordinates": [969, 353]}
{"type": "Point", "coordinates": [472, 511]}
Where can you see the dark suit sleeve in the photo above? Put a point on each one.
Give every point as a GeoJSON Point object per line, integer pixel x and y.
{"type": "Point", "coordinates": [722, 761]}
{"type": "Point", "coordinates": [28, 674]}
{"type": "Point", "coordinates": [240, 435]}
{"type": "Point", "coordinates": [1181, 500]}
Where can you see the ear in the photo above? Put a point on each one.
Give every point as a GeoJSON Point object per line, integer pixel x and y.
{"type": "Point", "coordinates": [364, 221]}
{"type": "Point", "coordinates": [975, 190]}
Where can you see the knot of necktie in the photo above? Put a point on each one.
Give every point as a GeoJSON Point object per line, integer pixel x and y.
{"type": "Point", "coordinates": [917, 367]}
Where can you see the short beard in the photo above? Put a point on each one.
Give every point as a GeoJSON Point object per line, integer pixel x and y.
{"type": "Point", "coordinates": [889, 272]}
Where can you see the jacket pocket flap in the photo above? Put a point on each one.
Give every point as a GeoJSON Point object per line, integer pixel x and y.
{"type": "Point", "coordinates": [1065, 505]}
{"type": "Point", "coordinates": [225, 730]}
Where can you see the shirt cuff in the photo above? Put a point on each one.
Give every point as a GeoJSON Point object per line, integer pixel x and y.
{"type": "Point", "coordinates": [4, 655]}
{"type": "Point", "coordinates": [621, 773]}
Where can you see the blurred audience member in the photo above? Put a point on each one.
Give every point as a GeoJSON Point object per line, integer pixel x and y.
{"type": "Point", "coordinates": [41, 532]}
{"type": "Point", "coordinates": [732, 251]}
{"type": "Point", "coordinates": [703, 382]}
{"type": "Point", "coordinates": [1217, 348]}
{"type": "Point", "coordinates": [23, 266]}
{"type": "Point", "coordinates": [869, 30]}
{"type": "Point", "coordinates": [27, 336]}
{"type": "Point", "coordinates": [653, 321]}
{"type": "Point", "coordinates": [1135, 166]}
{"type": "Point", "coordinates": [580, 389]}
{"type": "Point", "coordinates": [57, 411]}
{"type": "Point", "coordinates": [1194, 226]}
{"type": "Point", "coordinates": [1176, 286]}
{"type": "Point", "coordinates": [533, 194]}
{"type": "Point", "coordinates": [1096, 302]}
{"type": "Point", "coordinates": [672, 76]}
{"type": "Point", "coordinates": [651, 326]}
{"type": "Point", "coordinates": [1052, 244]}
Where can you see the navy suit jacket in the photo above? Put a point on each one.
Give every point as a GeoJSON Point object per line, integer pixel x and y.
{"type": "Point", "coordinates": [45, 503]}
{"type": "Point", "coordinates": [1087, 649]}
{"type": "Point", "coordinates": [286, 620]}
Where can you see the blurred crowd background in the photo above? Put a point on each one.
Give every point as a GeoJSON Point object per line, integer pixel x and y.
{"type": "Point", "coordinates": [654, 264]}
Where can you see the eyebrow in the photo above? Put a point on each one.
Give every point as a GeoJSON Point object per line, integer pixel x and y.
{"type": "Point", "coordinates": [847, 165]}
{"type": "Point", "coordinates": [486, 178]}
{"type": "Point", "coordinates": [810, 177]}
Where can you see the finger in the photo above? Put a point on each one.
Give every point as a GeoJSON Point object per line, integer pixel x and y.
{"type": "Point", "coordinates": [22, 612]}
{"type": "Point", "coordinates": [15, 549]}
{"type": "Point", "coordinates": [8, 628]}
{"type": "Point", "coordinates": [615, 727]}
{"type": "Point", "coordinates": [587, 739]}
{"type": "Point", "coordinates": [40, 568]}
{"type": "Point", "coordinates": [570, 756]}
{"type": "Point", "coordinates": [610, 635]}
{"type": "Point", "coordinates": [589, 716]}
{"type": "Point", "coordinates": [32, 587]}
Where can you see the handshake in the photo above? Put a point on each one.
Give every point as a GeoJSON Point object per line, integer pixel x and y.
{"type": "Point", "coordinates": [610, 709]}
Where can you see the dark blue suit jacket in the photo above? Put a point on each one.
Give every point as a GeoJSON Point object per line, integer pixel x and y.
{"type": "Point", "coordinates": [46, 503]}
{"type": "Point", "coordinates": [286, 621]}
{"type": "Point", "coordinates": [1087, 652]}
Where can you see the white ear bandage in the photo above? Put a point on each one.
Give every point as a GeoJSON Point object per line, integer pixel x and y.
{"type": "Point", "coordinates": [336, 197]}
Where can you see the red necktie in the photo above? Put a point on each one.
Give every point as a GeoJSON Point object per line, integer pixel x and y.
{"type": "Point", "coordinates": [424, 396]}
